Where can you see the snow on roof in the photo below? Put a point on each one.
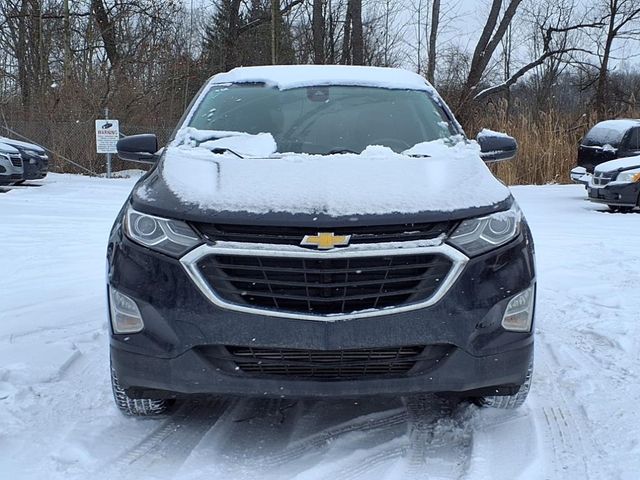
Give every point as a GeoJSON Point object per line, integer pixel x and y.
{"type": "Point", "coordinates": [621, 163]}
{"type": "Point", "coordinates": [376, 181]}
{"type": "Point", "coordinates": [609, 132]}
{"type": "Point", "coordinates": [288, 77]}
{"type": "Point", "coordinates": [619, 124]}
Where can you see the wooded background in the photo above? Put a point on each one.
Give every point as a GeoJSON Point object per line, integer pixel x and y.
{"type": "Point", "coordinates": [542, 71]}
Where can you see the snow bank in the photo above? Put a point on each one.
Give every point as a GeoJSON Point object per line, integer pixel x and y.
{"type": "Point", "coordinates": [377, 181]}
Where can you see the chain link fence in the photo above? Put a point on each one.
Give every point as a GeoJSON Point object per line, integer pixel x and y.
{"type": "Point", "coordinates": [72, 145]}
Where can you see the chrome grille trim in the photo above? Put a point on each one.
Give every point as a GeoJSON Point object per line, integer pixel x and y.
{"type": "Point", "coordinates": [16, 160]}
{"type": "Point", "coordinates": [190, 260]}
{"type": "Point", "coordinates": [601, 179]}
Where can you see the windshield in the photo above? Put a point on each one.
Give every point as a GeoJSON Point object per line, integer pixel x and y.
{"type": "Point", "coordinates": [605, 133]}
{"type": "Point", "coordinates": [327, 119]}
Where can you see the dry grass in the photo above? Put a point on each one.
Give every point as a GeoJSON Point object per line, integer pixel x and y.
{"type": "Point", "coordinates": [547, 144]}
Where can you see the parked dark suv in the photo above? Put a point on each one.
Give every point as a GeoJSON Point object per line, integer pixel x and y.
{"type": "Point", "coordinates": [34, 159]}
{"type": "Point", "coordinates": [319, 232]}
{"type": "Point", "coordinates": [606, 141]}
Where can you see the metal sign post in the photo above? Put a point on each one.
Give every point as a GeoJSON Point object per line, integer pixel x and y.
{"type": "Point", "coordinates": [107, 135]}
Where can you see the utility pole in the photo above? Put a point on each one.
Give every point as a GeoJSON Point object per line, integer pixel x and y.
{"type": "Point", "coordinates": [275, 24]}
{"type": "Point", "coordinates": [106, 117]}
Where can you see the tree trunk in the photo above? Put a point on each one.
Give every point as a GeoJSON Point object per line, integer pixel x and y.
{"type": "Point", "coordinates": [275, 34]}
{"type": "Point", "coordinates": [433, 37]}
{"type": "Point", "coordinates": [318, 27]}
{"type": "Point", "coordinates": [108, 34]}
{"type": "Point", "coordinates": [492, 34]}
{"type": "Point", "coordinates": [357, 39]}
{"type": "Point", "coordinates": [68, 60]}
{"type": "Point", "coordinates": [229, 57]}
{"type": "Point", "coordinates": [603, 74]}
{"type": "Point", "coordinates": [346, 38]}
{"type": "Point", "coordinates": [21, 56]}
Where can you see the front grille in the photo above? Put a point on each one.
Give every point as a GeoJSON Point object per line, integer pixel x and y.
{"type": "Point", "coordinates": [16, 161]}
{"type": "Point", "coordinates": [294, 235]}
{"type": "Point", "coordinates": [600, 179]}
{"type": "Point", "coordinates": [335, 364]}
{"type": "Point", "coordinates": [324, 286]}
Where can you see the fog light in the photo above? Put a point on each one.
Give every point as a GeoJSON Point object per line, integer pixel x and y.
{"type": "Point", "coordinates": [519, 312]}
{"type": "Point", "coordinates": [125, 315]}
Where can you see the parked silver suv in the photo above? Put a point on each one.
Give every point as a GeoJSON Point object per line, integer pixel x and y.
{"type": "Point", "coordinates": [11, 168]}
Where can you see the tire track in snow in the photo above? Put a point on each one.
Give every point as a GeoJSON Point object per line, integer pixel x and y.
{"type": "Point", "coordinates": [440, 443]}
{"type": "Point", "coordinates": [437, 445]}
{"type": "Point", "coordinates": [364, 466]}
{"type": "Point", "coordinates": [324, 438]}
{"type": "Point", "coordinates": [164, 450]}
{"type": "Point", "coordinates": [566, 427]}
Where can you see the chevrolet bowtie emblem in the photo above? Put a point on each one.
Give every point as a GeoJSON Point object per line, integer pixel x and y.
{"type": "Point", "coordinates": [325, 240]}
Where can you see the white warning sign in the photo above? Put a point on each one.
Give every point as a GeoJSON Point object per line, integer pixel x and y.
{"type": "Point", "coordinates": [107, 135]}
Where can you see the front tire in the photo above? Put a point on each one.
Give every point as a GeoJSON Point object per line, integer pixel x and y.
{"type": "Point", "coordinates": [617, 208]}
{"type": "Point", "coordinates": [509, 402]}
{"type": "Point", "coordinates": [135, 407]}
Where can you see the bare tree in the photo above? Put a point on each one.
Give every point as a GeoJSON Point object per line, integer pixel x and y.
{"type": "Point", "coordinates": [619, 17]}
{"type": "Point", "coordinates": [357, 38]}
{"type": "Point", "coordinates": [318, 27]}
{"type": "Point", "coordinates": [433, 37]}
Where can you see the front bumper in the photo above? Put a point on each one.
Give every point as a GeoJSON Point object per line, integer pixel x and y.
{"type": "Point", "coordinates": [35, 167]}
{"type": "Point", "coordinates": [9, 172]}
{"type": "Point", "coordinates": [616, 194]}
{"type": "Point", "coordinates": [191, 374]}
{"type": "Point", "coordinates": [179, 321]}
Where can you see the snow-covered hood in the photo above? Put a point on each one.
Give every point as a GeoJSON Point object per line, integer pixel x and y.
{"type": "Point", "coordinates": [23, 145]}
{"type": "Point", "coordinates": [6, 148]}
{"type": "Point", "coordinates": [376, 182]}
{"type": "Point", "coordinates": [619, 164]}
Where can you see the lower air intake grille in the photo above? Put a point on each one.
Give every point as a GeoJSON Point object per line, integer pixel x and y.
{"type": "Point", "coordinates": [333, 364]}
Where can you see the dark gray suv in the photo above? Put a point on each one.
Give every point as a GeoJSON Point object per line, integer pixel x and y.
{"type": "Point", "coordinates": [319, 232]}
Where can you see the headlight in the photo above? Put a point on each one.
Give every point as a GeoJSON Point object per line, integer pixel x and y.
{"type": "Point", "coordinates": [479, 235]}
{"type": "Point", "coordinates": [172, 237]}
{"type": "Point", "coordinates": [630, 176]}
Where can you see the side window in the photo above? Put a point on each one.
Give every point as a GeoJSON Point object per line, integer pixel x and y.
{"type": "Point", "coordinates": [634, 139]}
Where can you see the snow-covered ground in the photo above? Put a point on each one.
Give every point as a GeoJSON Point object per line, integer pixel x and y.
{"type": "Point", "coordinates": [57, 420]}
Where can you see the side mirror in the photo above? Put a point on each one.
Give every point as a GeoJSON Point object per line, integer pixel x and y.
{"type": "Point", "coordinates": [138, 148]}
{"type": "Point", "coordinates": [580, 175]}
{"type": "Point", "coordinates": [495, 146]}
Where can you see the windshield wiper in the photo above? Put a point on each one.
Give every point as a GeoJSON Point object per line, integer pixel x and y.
{"type": "Point", "coordinates": [221, 150]}
{"type": "Point", "coordinates": [340, 150]}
